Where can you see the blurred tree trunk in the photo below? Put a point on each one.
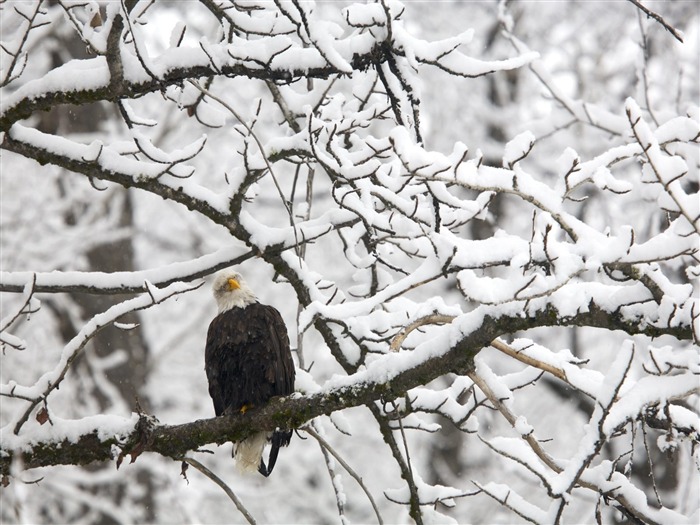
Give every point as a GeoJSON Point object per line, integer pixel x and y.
{"type": "Point", "coordinates": [127, 376]}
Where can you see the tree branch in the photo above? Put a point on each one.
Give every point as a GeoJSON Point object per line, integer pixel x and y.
{"type": "Point", "coordinates": [95, 170]}
{"type": "Point", "coordinates": [216, 479]}
{"type": "Point", "coordinates": [292, 412]}
{"type": "Point", "coordinates": [651, 14]}
{"type": "Point", "coordinates": [123, 282]}
{"type": "Point", "coordinates": [116, 89]}
{"type": "Point", "coordinates": [327, 446]}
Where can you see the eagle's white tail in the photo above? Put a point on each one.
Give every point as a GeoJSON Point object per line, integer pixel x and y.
{"type": "Point", "coordinates": [248, 452]}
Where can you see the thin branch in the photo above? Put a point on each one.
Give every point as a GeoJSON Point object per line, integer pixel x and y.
{"type": "Point", "coordinates": [399, 338]}
{"type": "Point", "coordinates": [387, 433]}
{"type": "Point", "coordinates": [600, 413]}
{"type": "Point", "coordinates": [336, 480]}
{"type": "Point", "coordinates": [651, 14]}
{"type": "Point", "coordinates": [523, 358]}
{"type": "Point", "coordinates": [17, 55]}
{"type": "Point", "coordinates": [76, 345]}
{"type": "Point", "coordinates": [654, 155]}
{"type": "Point", "coordinates": [322, 441]}
{"type": "Point", "coordinates": [629, 507]}
{"type": "Point", "coordinates": [27, 294]}
{"type": "Point", "coordinates": [251, 133]}
{"type": "Point", "coordinates": [512, 419]}
{"type": "Point", "coordinates": [216, 479]}
{"type": "Point", "coordinates": [650, 464]}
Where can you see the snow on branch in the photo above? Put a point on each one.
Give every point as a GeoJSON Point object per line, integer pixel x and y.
{"type": "Point", "coordinates": [294, 131]}
{"type": "Point", "coordinates": [387, 378]}
{"type": "Point", "coordinates": [100, 162]}
{"type": "Point", "coordinates": [51, 380]}
{"type": "Point", "coordinates": [318, 52]}
{"type": "Point", "coordinates": [559, 475]}
{"type": "Point", "coordinates": [669, 170]}
{"type": "Point", "coordinates": [124, 282]}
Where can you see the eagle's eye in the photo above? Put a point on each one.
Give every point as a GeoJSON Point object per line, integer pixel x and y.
{"type": "Point", "coordinates": [233, 284]}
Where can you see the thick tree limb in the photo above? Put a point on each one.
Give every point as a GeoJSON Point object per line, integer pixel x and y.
{"type": "Point", "coordinates": [175, 441]}
{"type": "Point", "coordinates": [94, 170]}
{"type": "Point", "coordinates": [113, 91]}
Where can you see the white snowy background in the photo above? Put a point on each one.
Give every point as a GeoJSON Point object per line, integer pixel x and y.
{"type": "Point", "coordinates": [561, 142]}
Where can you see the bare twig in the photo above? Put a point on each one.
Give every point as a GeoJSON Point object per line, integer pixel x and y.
{"type": "Point", "coordinates": [386, 430]}
{"type": "Point", "coordinates": [28, 293]}
{"type": "Point", "coordinates": [324, 443]}
{"type": "Point", "coordinates": [19, 57]}
{"type": "Point", "coordinates": [523, 358]}
{"type": "Point", "coordinates": [216, 479]}
{"type": "Point", "coordinates": [651, 14]}
{"type": "Point", "coordinates": [252, 134]}
{"type": "Point", "coordinates": [399, 338]}
{"type": "Point", "coordinates": [76, 345]}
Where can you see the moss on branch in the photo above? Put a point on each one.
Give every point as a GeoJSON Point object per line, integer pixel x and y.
{"type": "Point", "coordinates": [175, 441]}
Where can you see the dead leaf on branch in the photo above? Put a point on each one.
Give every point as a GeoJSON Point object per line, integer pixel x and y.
{"type": "Point", "coordinates": [183, 471]}
{"type": "Point", "coordinates": [42, 416]}
{"type": "Point", "coordinates": [144, 430]}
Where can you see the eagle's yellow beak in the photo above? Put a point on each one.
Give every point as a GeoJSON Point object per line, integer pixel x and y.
{"type": "Point", "coordinates": [233, 284]}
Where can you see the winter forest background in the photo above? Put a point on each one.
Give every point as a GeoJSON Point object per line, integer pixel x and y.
{"type": "Point", "coordinates": [479, 219]}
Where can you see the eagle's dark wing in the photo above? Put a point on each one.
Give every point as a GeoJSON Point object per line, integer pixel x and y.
{"type": "Point", "coordinates": [280, 366]}
{"type": "Point", "coordinates": [283, 373]}
{"type": "Point", "coordinates": [214, 356]}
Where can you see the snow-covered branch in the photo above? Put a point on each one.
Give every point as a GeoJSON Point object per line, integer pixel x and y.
{"type": "Point", "coordinates": [51, 380]}
{"type": "Point", "coordinates": [458, 231]}
{"type": "Point", "coordinates": [387, 378]}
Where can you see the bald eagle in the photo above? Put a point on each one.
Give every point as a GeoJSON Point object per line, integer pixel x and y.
{"type": "Point", "coordinates": [247, 361]}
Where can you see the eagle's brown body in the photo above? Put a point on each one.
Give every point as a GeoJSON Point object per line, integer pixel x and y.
{"type": "Point", "coordinates": [247, 362]}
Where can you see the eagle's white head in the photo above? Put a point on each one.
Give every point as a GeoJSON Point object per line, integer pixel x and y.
{"type": "Point", "coordinates": [231, 291]}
